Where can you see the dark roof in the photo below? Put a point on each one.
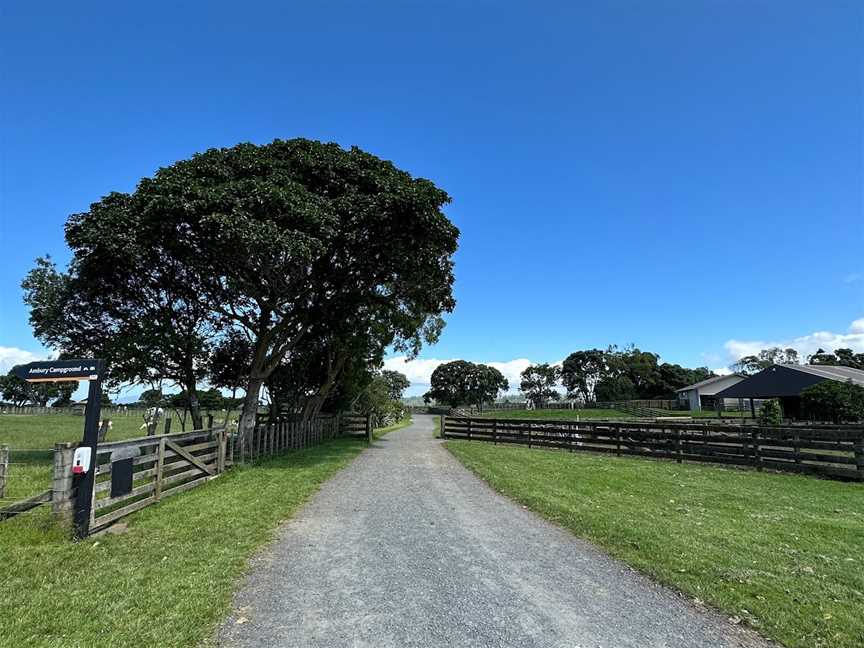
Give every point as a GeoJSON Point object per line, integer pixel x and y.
{"type": "Point", "coordinates": [789, 380]}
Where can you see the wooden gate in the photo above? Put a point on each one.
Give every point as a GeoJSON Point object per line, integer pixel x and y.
{"type": "Point", "coordinates": [133, 474]}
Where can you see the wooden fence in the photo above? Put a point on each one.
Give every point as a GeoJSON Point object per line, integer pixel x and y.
{"type": "Point", "coordinates": [822, 450]}
{"type": "Point", "coordinates": [356, 425]}
{"type": "Point", "coordinates": [135, 473]}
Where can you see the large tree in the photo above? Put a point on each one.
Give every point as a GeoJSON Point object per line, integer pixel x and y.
{"type": "Point", "coordinates": [280, 240]}
{"type": "Point", "coordinates": [123, 301]}
{"type": "Point", "coordinates": [752, 364]}
{"type": "Point", "coordinates": [581, 371]}
{"type": "Point", "coordinates": [624, 374]}
{"type": "Point", "coordinates": [396, 382]}
{"type": "Point", "coordinates": [465, 383]}
{"type": "Point", "coordinates": [19, 392]}
{"type": "Point", "coordinates": [539, 382]}
{"type": "Point", "coordinates": [840, 357]}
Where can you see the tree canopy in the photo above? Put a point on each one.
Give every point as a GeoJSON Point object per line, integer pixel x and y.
{"type": "Point", "coordinates": [294, 253]}
{"type": "Point", "coordinates": [460, 383]}
{"type": "Point", "coordinates": [19, 392]}
{"type": "Point", "coordinates": [840, 357]}
{"type": "Point", "coordinates": [834, 401]}
{"type": "Point", "coordinates": [539, 382]}
{"type": "Point", "coordinates": [752, 364]}
{"type": "Point", "coordinates": [624, 374]}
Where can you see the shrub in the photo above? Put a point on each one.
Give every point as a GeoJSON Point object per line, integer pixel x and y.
{"type": "Point", "coordinates": [830, 400]}
{"type": "Point", "coordinates": [769, 413]}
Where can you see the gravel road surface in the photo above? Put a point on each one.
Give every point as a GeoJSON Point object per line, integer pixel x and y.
{"type": "Point", "coordinates": [405, 548]}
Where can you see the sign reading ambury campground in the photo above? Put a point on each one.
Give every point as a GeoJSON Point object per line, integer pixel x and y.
{"type": "Point", "coordinates": [57, 370]}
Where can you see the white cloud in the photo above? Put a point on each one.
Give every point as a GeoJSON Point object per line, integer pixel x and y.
{"type": "Point", "coordinates": [11, 356]}
{"type": "Point", "coordinates": [853, 277]}
{"type": "Point", "coordinates": [805, 345]}
{"type": "Point", "coordinates": [419, 371]}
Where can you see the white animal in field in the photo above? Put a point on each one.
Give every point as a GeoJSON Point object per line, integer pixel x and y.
{"type": "Point", "coordinates": [152, 416]}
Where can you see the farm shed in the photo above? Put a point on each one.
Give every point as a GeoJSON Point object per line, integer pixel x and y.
{"type": "Point", "coordinates": [786, 382]}
{"type": "Point", "coordinates": [704, 393]}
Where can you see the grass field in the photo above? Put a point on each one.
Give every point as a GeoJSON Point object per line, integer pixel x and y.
{"type": "Point", "coordinates": [31, 439]}
{"type": "Point", "coordinates": [589, 414]}
{"type": "Point", "coordinates": [782, 553]}
{"type": "Point", "coordinates": [558, 414]}
{"type": "Point", "coordinates": [43, 431]}
{"type": "Point", "coordinates": [168, 580]}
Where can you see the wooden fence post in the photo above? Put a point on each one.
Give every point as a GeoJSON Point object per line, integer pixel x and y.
{"type": "Point", "coordinates": [209, 421]}
{"type": "Point", "coordinates": [469, 429]}
{"type": "Point", "coordinates": [757, 455]}
{"type": "Point", "coordinates": [62, 495]}
{"type": "Point", "coordinates": [160, 463]}
{"type": "Point", "coordinates": [678, 446]}
{"type": "Point", "coordinates": [4, 468]}
{"type": "Point", "coordinates": [167, 425]}
{"type": "Point", "coordinates": [859, 456]}
{"type": "Point", "coordinates": [443, 426]}
{"type": "Point", "coordinates": [220, 451]}
{"type": "Point", "coordinates": [495, 431]}
{"type": "Point", "coordinates": [369, 428]}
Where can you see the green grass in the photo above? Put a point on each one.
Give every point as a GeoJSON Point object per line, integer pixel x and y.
{"type": "Point", "coordinates": [783, 553]}
{"type": "Point", "coordinates": [30, 472]}
{"type": "Point", "coordinates": [589, 414]}
{"type": "Point", "coordinates": [558, 414]}
{"type": "Point", "coordinates": [405, 422]}
{"type": "Point", "coordinates": [43, 431]}
{"type": "Point", "coordinates": [168, 580]}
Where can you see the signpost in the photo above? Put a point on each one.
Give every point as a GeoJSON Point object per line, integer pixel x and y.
{"type": "Point", "coordinates": [84, 468]}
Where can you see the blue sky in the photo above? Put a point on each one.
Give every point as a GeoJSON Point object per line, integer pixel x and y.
{"type": "Point", "coordinates": [674, 174]}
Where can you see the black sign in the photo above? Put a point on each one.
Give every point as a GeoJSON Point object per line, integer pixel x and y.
{"type": "Point", "coordinates": [58, 370]}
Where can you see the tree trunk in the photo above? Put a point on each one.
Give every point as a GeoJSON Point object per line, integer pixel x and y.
{"type": "Point", "coordinates": [194, 407]}
{"type": "Point", "coordinates": [249, 414]}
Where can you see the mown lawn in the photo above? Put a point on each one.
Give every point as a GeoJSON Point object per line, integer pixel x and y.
{"type": "Point", "coordinates": [589, 414]}
{"type": "Point", "coordinates": [783, 553]}
{"type": "Point", "coordinates": [558, 414]}
{"type": "Point", "coordinates": [168, 580]}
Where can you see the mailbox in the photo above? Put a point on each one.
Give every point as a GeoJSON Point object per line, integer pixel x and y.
{"type": "Point", "coordinates": [81, 460]}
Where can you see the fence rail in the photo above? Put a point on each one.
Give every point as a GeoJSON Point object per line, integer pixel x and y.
{"type": "Point", "coordinates": [134, 473]}
{"type": "Point", "coordinates": [823, 450]}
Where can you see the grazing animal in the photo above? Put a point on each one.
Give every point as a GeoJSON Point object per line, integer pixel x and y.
{"type": "Point", "coordinates": [152, 416]}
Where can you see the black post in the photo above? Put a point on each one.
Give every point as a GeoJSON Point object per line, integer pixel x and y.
{"type": "Point", "coordinates": [84, 483]}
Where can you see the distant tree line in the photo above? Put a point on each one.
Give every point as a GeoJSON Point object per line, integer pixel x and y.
{"type": "Point", "coordinates": [287, 268]}
{"type": "Point", "coordinates": [593, 375]}
{"type": "Point", "coordinates": [624, 374]}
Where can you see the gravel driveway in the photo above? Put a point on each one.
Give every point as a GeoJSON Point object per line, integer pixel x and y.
{"type": "Point", "coordinates": [405, 547]}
